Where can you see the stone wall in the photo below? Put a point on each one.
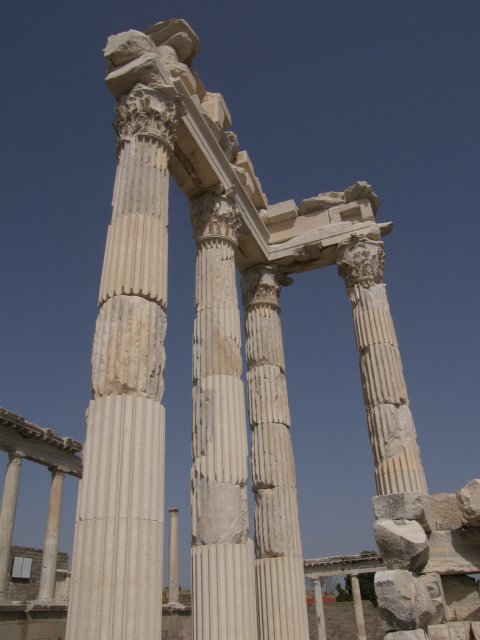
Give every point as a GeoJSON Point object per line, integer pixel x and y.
{"type": "Point", "coordinates": [26, 589]}
{"type": "Point", "coordinates": [340, 621]}
{"type": "Point", "coordinates": [39, 622]}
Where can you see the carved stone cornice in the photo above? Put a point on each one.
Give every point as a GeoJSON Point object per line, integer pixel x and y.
{"type": "Point", "coordinates": [215, 216]}
{"type": "Point", "coordinates": [361, 261]}
{"type": "Point", "coordinates": [149, 111]}
{"type": "Point", "coordinates": [260, 285]}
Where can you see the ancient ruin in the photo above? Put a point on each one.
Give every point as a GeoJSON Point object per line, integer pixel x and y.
{"type": "Point", "coordinates": [169, 124]}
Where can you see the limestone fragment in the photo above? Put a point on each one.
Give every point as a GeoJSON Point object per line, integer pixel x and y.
{"type": "Point", "coordinates": [361, 190]}
{"type": "Point", "coordinates": [321, 202]}
{"type": "Point", "coordinates": [454, 552]}
{"type": "Point", "coordinates": [125, 47]}
{"type": "Point", "coordinates": [414, 634]}
{"type": "Point", "coordinates": [469, 502]}
{"type": "Point", "coordinates": [442, 512]}
{"type": "Point", "coordinates": [433, 583]}
{"type": "Point", "coordinates": [400, 506]}
{"type": "Point", "coordinates": [395, 590]}
{"type": "Point", "coordinates": [178, 34]}
{"type": "Point", "coordinates": [403, 544]}
{"type": "Point", "coordinates": [142, 70]}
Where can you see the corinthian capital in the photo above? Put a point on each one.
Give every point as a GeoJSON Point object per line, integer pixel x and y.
{"type": "Point", "coordinates": [361, 261]}
{"type": "Point", "coordinates": [147, 111]}
{"type": "Point", "coordinates": [215, 217]}
{"type": "Point", "coordinates": [260, 285]}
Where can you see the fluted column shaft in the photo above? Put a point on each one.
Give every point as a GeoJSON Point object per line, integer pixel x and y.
{"type": "Point", "coordinates": [173, 558]}
{"type": "Point", "coordinates": [280, 583]}
{"type": "Point", "coordinates": [398, 466]}
{"type": "Point", "coordinates": [116, 589]}
{"type": "Point", "coordinates": [222, 554]}
{"type": "Point", "coordinates": [357, 604]}
{"type": "Point", "coordinates": [50, 546]}
{"type": "Point", "coordinates": [7, 514]}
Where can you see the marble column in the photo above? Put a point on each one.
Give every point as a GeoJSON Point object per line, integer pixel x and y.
{"type": "Point", "coordinates": [116, 589]}
{"type": "Point", "coordinates": [50, 546]}
{"type": "Point", "coordinates": [223, 580]}
{"type": "Point", "coordinates": [398, 466]}
{"type": "Point", "coordinates": [280, 581]}
{"type": "Point", "coordinates": [357, 603]}
{"type": "Point", "coordinates": [320, 614]}
{"type": "Point", "coordinates": [7, 514]}
{"type": "Point", "coordinates": [173, 559]}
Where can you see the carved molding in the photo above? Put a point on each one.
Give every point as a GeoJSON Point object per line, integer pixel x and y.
{"type": "Point", "coordinates": [215, 216]}
{"type": "Point", "coordinates": [361, 261]}
{"type": "Point", "coordinates": [260, 285]}
{"type": "Point", "coordinates": [147, 111]}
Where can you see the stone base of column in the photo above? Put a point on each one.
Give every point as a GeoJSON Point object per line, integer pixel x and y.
{"type": "Point", "coordinates": [281, 598]}
{"type": "Point", "coordinates": [116, 591]}
{"type": "Point", "coordinates": [223, 592]}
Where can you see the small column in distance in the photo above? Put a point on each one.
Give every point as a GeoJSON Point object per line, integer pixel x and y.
{"type": "Point", "coordinates": [320, 614]}
{"type": "Point", "coordinates": [50, 547]}
{"type": "Point", "coordinates": [7, 514]}
{"type": "Point", "coordinates": [173, 559]}
{"type": "Point", "coordinates": [357, 603]}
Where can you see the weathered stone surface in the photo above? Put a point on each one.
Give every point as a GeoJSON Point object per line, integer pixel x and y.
{"type": "Point", "coordinates": [125, 47]}
{"type": "Point", "coordinates": [469, 503]}
{"type": "Point", "coordinates": [414, 634]}
{"type": "Point", "coordinates": [403, 544]}
{"type": "Point", "coordinates": [168, 32]}
{"type": "Point", "coordinates": [272, 457]}
{"type": "Point", "coordinates": [454, 552]}
{"type": "Point", "coordinates": [264, 337]}
{"type": "Point", "coordinates": [475, 626]}
{"type": "Point", "coordinates": [433, 584]}
{"type": "Point", "coordinates": [400, 506]}
{"type": "Point", "coordinates": [395, 592]}
{"type": "Point", "coordinates": [425, 609]}
{"type": "Point", "coordinates": [128, 349]}
{"type": "Point", "coordinates": [362, 190]}
{"type": "Point", "coordinates": [438, 632]}
{"type": "Point", "coordinates": [169, 59]}
{"type": "Point", "coordinates": [321, 202]}
{"type": "Point", "coordinates": [462, 596]}
{"type": "Point", "coordinates": [219, 512]}
{"type": "Point", "coordinates": [267, 394]}
{"type": "Point", "coordinates": [276, 523]}
{"type": "Point", "coordinates": [216, 107]}
{"type": "Point", "coordinates": [442, 512]}
{"type": "Point", "coordinates": [451, 631]}
{"type": "Point", "coordinates": [141, 70]}
{"type": "Point", "coordinates": [217, 342]}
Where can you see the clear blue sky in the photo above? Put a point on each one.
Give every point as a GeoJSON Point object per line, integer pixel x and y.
{"type": "Point", "coordinates": [322, 94]}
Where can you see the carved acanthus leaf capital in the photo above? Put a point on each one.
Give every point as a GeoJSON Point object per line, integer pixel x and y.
{"type": "Point", "coordinates": [147, 111]}
{"type": "Point", "coordinates": [215, 216]}
{"type": "Point", "coordinates": [260, 285]}
{"type": "Point", "coordinates": [361, 261]}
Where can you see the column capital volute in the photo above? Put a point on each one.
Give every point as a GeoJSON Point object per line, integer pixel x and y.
{"type": "Point", "coordinates": [16, 457]}
{"type": "Point", "coordinates": [150, 111]}
{"type": "Point", "coordinates": [361, 260]}
{"type": "Point", "coordinates": [261, 286]}
{"type": "Point", "coordinates": [215, 216]}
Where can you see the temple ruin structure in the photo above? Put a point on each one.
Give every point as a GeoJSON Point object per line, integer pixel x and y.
{"type": "Point", "coordinates": [169, 124]}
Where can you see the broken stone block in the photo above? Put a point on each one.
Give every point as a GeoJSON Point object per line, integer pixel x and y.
{"type": "Point", "coordinates": [475, 626]}
{"type": "Point", "coordinates": [438, 632]}
{"type": "Point", "coordinates": [395, 592]}
{"type": "Point", "coordinates": [176, 33]}
{"type": "Point", "coordinates": [216, 107]}
{"type": "Point", "coordinates": [125, 47]}
{"type": "Point", "coordinates": [462, 597]}
{"type": "Point", "coordinates": [402, 544]}
{"type": "Point", "coordinates": [433, 584]}
{"type": "Point", "coordinates": [361, 190]}
{"type": "Point", "coordinates": [281, 212]}
{"type": "Point", "coordinates": [321, 202]}
{"type": "Point", "coordinates": [414, 634]}
{"type": "Point", "coordinates": [442, 512]}
{"type": "Point", "coordinates": [400, 506]}
{"type": "Point", "coordinates": [425, 609]}
{"type": "Point", "coordinates": [176, 69]}
{"type": "Point", "coordinates": [459, 630]}
{"type": "Point", "coordinates": [454, 552]}
{"type": "Point", "coordinates": [469, 503]}
{"type": "Point", "coordinates": [141, 70]}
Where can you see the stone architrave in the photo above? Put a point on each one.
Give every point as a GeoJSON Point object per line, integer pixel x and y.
{"type": "Point", "coordinates": [116, 589]}
{"type": "Point", "coordinates": [7, 514]}
{"type": "Point", "coordinates": [223, 581]}
{"type": "Point", "coordinates": [52, 532]}
{"type": "Point", "coordinates": [281, 602]}
{"type": "Point", "coordinates": [398, 466]}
